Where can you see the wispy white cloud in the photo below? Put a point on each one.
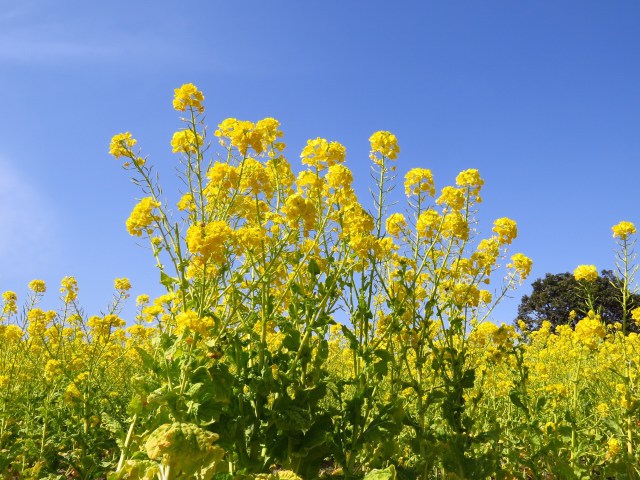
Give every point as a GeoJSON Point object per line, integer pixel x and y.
{"type": "Point", "coordinates": [33, 34]}
{"type": "Point", "coordinates": [27, 224]}
{"type": "Point", "coordinates": [29, 47]}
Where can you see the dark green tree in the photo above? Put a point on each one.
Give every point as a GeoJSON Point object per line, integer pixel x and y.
{"type": "Point", "coordinates": [555, 295]}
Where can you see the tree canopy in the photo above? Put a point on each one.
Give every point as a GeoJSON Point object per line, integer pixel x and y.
{"type": "Point", "coordinates": [556, 295]}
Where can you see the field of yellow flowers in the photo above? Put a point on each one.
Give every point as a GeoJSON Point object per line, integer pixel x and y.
{"type": "Point", "coordinates": [303, 336]}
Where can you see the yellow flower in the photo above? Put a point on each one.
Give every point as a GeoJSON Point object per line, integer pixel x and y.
{"type": "Point", "coordinates": [269, 130]}
{"type": "Point", "coordinates": [53, 369]}
{"type": "Point", "coordinates": [13, 333]}
{"type": "Point", "coordinates": [471, 180]}
{"type": "Point", "coordinates": [250, 237]}
{"type": "Point", "coordinates": [222, 178]}
{"type": "Point", "coordinates": [10, 300]}
{"type": "Point", "coordinates": [122, 284]}
{"type": "Point", "coordinates": [384, 144]}
{"type": "Point", "coordinates": [506, 229]}
{"type": "Point", "coordinates": [190, 320]}
{"type": "Point", "coordinates": [613, 448]}
{"type": "Point", "coordinates": [455, 225]}
{"type": "Point", "coordinates": [395, 223]}
{"type": "Point", "coordinates": [522, 265]}
{"type": "Point", "coordinates": [320, 153]}
{"type": "Point", "coordinates": [188, 96]}
{"type": "Point", "coordinates": [37, 286]}
{"type": "Point", "coordinates": [186, 202]}
{"type": "Point", "coordinates": [254, 178]}
{"type": "Point", "coordinates": [209, 240]}
{"type": "Point", "coordinates": [486, 255]}
{"type": "Point", "coordinates": [588, 273]}
{"type": "Point", "coordinates": [428, 224]}
{"type": "Point", "coordinates": [142, 299]}
{"type": "Point", "coordinates": [38, 321]}
{"type": "Point", "coordinates": [602, 409]}
{"type": "Point", "coordinates": [623, 230]}
{"type": "Point", "coordinates": [339, 177]}
{"type": "Point", "coordinates": [418, 181]}
{"type": "Point", "coordinates": [142, 216]}
{"type": "Point", "coordinates": [590, 330]}
{"type": "Point", "coordinates": [121, 144]}
{"type": "Point", "coordinates": [452, 197]}
{"type": "Point", "coordinates": [242, 134]}
{"type": "Point", "coordinates": [69, 288]}
{"type": "Point", "coordinates": [185, 141]}
{"type": "Point", "coordinates": [298, 208]}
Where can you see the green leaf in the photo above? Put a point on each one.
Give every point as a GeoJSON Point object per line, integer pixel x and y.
{"type": "Point", "coordinates": [313, 267]}
{"type": "Point", "coordinates": [167, 281]}
{"type": "Point", "coordinates": [353, 342]}
{"type": "Point", "coordinates": [147, 360]}
{"type": "Point", "coordinates": [515, 399]}
{"type": "Point", "coordinates": [388, 473]}
{"type": "Point", "coordinates": [468, 378]}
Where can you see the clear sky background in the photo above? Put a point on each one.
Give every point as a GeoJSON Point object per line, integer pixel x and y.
{"type": "Point", "coordinates": [542, 97]}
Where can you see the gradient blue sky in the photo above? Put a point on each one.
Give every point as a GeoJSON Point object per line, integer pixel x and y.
{"type": "Point", "coordinates": [542, 97]}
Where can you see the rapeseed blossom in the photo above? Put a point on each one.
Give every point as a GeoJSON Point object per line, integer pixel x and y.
{"type": "Point", "coordinates": [37, 286]}
{"type": "Point", "coordinates": [142, 217]}
{"type": "Point", "coordinates": [522, 264]}
{"type": "Point", "coordinates": [506, 229]}
{"type": "Point", "coordinates": [384, 144]}
{"type": "Point", "coordinates": [186, 141]}
{"type": "Point", "coordinates": [121, 144]}
{"type": "Point", "coordinates": [187, 96]}
{"type": "Point", "coordinates": [395, 224]}
{"type": "Point", "coordinates": [418, 181]}
{"type": "Point", "coordinates": [321, 154]}
{"type": "Point", "coordinates": [623, 230]}
{"type": "Point", "coordinates": [588, 273]}
{"type": "Point", "coordinates": [69, 289]}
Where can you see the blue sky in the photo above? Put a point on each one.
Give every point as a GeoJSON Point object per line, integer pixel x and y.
{"type": "Point", "coordinates": [542, 97]}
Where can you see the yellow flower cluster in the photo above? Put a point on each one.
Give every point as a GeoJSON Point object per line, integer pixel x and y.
{"type": "Point", "coordinates": [10, 298]}
{"type": "Point", "coordinates": [418, 181]}
{"type": "Point", "coordinates": [122, 284]}
{"type": "Point", "coordinates": [384, 144]}
{"type": "Point", "coordinates": [590, 330]}
{"type": "Point", "coordinates": [299, 208]}
{"type": "Point", "coordinates": [623, 230]}
{"type": "Point", "coordinates": [187, 96]}
{"type": "Point", "coordinates": [429, 223]}
{"type": "Point", "coordinates": [486, 255]}
{"type": "Point", "coordinates": [588, 273]}
{"type": "Point", "coordinates": [452, 197]}
{"type": "Point", "coordinates": [69, 289]}
{"type": "Point", "coordinates": [339, 177]}
{"type": "Point", "coordinates": [38, 321]}
{"type": "Point", "coordinates": [254, 178]}
{"type": "Point", "coordinates": [506, 229]}
{"type": "Point", "coordinates": [209, 241]}
{"type": "Point", "coordinates": [37, 286]}
{"type": "Point", "coordinates": [186, 141]}
{"type": "Point", "coordinates": [521, 264]}
{"type": "Point", "coordinates": [455, 226]}
{"type": "Point", "coordinates": [243, 134]}
{"type": "Point", "coordinates": [142, 217]}
{"type": "Point", "coordinates": [320, 153]}
{"type": "Point", "coordinates": [395, 224]}
{"type": "Point", "coordinates": [102, 326]}
{"type": "Point", "coordinates": [186, 202]}
{"type": "Point", "coordinates": [472, 181]}
{"type": "Point", "coordinates": [121, 144]}
{"type": "Point", "coordinates": [190, 321]}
